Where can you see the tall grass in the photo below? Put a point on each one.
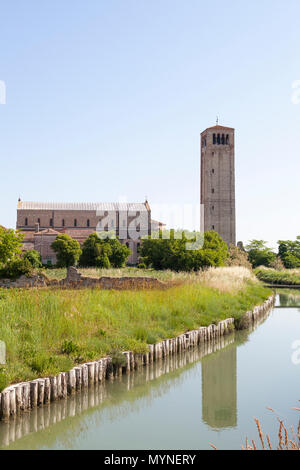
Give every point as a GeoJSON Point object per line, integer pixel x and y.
{"type": "Point", "coordinates": [48, 331]}
{"type": "Point", "coordinates": [283, 277]}
{"type": "Point", "coordinates": [166, 275]}
{"type": "Point", "coordinates": [288, 439]}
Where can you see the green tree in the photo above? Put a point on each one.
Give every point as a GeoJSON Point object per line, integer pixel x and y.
{"type": "Point", "coordinates": [67, 250]}
{"type": "Point", "coordinates": [172, 253]}
{"type": "Point", "coordinates": [289, 252]}
{"type": "Point", "coordinates": [119, 253]}
{"type": "Point", "coordinates": [10, 244]}
{"type": "Point", "coordinates": [259, 253]}
{"type": "Point", "coordinates": [34, 258]}
{"type": "Point", "coordinates": [15, 267]}
{"type": "Point", "coordinates": [103, 252]}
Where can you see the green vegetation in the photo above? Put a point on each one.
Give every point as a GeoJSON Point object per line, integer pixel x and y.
{"type": "Point", "coordinates": [11, 263]}
{"type": "Point", "coordinates": [283, 277]}
{"type": "Point", "coordinates": [10, 244]}
{"type": "Point", "coordinates": [48, 331]}
{"type": "Point", "coordinates": [237, 257]}
{"type": "Point", "coordinates": [16, 267]}
{"type": "Point", "coordinates": [289, 252]}
{"type": "Point", "coordinates": [34, 258]}
{"type": "Point", "coordinates": [259, 254]}
{"type": "Point", "coordinates": [103, 253]}
{"type": "Point", "coordinates": [172, 253]}
{"type": "Point", "coordinates": [288, 255]}
{"type": "Point", "coordinates": [67, 250]}
{"type": "Point", "coordinates": [165, 275]}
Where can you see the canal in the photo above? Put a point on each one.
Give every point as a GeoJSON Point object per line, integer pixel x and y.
{"type": "Point", "coordinates": [208, 395]}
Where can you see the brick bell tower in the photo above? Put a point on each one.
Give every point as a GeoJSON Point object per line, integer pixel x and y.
{"type": "Point", "coordinates": [218, 181]}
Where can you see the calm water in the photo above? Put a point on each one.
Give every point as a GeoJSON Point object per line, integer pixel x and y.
{"type": "Point", "coordinates": [185, 402]}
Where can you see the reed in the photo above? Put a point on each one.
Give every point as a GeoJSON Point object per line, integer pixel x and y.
{"type": "Point", "coordinates": [288, 277]}
{"type": "Point", "coordinates": [48, 331]}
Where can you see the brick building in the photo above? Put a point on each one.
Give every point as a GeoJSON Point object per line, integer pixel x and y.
{"type": "Point", "coordinates": [218, 181]}
{"type": "Point", "coordinates": [42, 222]}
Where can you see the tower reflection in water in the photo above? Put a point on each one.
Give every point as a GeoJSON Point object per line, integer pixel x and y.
{"type": "Point", "coordinates": [219, 388]}
{"type": "Point", "coordinates": [138, 389]}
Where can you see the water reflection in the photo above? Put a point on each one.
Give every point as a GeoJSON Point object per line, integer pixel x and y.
{"type": "Point", "coordinates": [142, 385]}
{"type": "Point", "coordinates": [62, 420]}
{"type": "Point", "coordinates": [219, 389]}
{"type": "Point", "coordinates": [288, 298]}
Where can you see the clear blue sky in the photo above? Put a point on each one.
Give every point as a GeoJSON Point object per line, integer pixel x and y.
{"type": "Point", "coordinates": [106, 99]}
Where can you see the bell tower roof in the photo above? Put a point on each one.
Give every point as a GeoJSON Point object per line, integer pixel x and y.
{"type": "Point", "coordinates": [218, 127]}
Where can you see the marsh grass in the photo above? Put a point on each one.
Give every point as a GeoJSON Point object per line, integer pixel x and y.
{"type": "Point", "coordinates": [166, 275]}
{"type": "Point", "coordinates": [49, 330]}
{"type": "Point", "coordinates": [283, 277]}
{"type": "Point", "coordinates": [226, 279]}
{"type": "Point", "coordinates": [288, 439]}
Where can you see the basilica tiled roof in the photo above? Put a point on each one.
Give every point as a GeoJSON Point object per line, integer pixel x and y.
{"type": "Point", "coordinates": [82, 206]}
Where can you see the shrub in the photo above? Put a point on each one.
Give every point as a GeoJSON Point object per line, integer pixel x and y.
{"type": "Point", "coordinates": [289, 252]}
{"type": "Point", "coordinates": [10, 244]}
{"type": "Point", "coordinates": [118, 359]}
{"type": "Point", "coordinates": [291, 261]}
{"type": "Point", "coordinates": [277, 264]}
{"type": "Point", "coordinates": [16, 268]}
{"type": "Point", "coordinates": [42, 363]}
{"type": "Point", "coordinates": [142, 266]}
{"type": "Point", "coordinates": [69, 347]}
{"type": "Point", "coordinates": [237, 257]}
{"type": "Point", "coordinates": [34, 258]}
{"type": "Point", "coordinates": [67, 250]}
{"type": "Point", "coordinates": [259, 253]}
{"type": "Point", "coordinates": [103, 253]}
{"type": "Point", "coordinates": [171, 252]}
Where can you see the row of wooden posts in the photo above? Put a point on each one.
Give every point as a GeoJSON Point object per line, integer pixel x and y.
{"type": "Point", "coordinates": [28, 395]}
{"type": "Point", "coordinates": [43, 417]}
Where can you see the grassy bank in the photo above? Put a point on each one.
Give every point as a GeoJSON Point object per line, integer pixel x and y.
{"type": "Point", "coordinates": [60, 273]}
{"type": "Point", "coordinates": [48, 331]}
{"type": "Point", "coordinates": [288, 277]}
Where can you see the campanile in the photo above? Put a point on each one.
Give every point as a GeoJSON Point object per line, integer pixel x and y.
{"type": "Point", "coordinates": [218, 181]}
